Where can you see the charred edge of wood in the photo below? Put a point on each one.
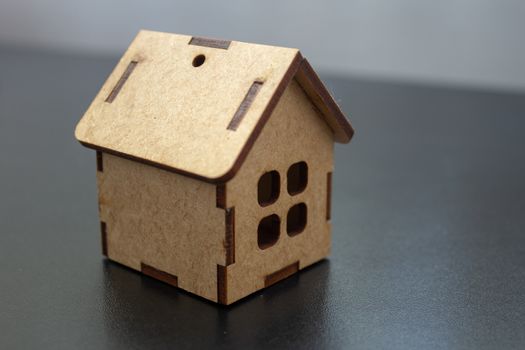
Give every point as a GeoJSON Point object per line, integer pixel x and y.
{"type": "Point", "coordinates": [283, 84]}
{"type": "Point", "coordinates": [281, 274]}
{"type": "Point", "coordinates": [104, 238]}
{"type": "Point", "coordinates": [230, 236]}
{"type": "Point", "coordinates": [159, 275]}
{"type": "Point", "coordinates": [120, 83]}
{"type": "Point", "coordinates": [328, 196]}
{"type": "Point", "coordinates": [208, 42]}
{"type": "Point", "coordinates": [325, 98]}
{"type": "Point", "coordinates": [222, 286]}
{"type": "Point", "coordinates": [220, 194]}
{"type": "Point", "coordinates": [292, 70]}
{"type": "Point", "coordinates": [100, 162]}
{"type": "Point", "coordinates": [245, 105]}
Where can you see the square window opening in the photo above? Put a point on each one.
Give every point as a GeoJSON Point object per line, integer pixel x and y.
{"type": "Point", "coordinates": [268, 188]}
{"type": "Point", "coordinates": [296, 219]}
{"type": "Point", "coordinates": [297, 177]}
{"type": "Point", "coordinates": [268, 231]}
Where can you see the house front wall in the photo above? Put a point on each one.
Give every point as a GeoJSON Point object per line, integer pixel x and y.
{"type": "Point", "coordinates": [295, 132]}
{"type": "Point", "coordinates": [163, 224]}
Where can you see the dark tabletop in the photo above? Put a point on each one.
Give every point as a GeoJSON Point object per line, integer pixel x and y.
{"type": "Point", "coordinates": [428, 229]}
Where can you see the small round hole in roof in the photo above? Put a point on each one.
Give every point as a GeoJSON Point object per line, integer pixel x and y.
{"type": "Point", "coordinates": [198, 60]}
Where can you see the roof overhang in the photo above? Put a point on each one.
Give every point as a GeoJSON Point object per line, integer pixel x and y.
{"type": "Point", "coordinates": [155, 63]}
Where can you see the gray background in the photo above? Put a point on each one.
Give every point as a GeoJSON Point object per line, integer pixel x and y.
{"type": "Point", "coordinates": [464, 42]}
{"type": "Point", "coordinates": [428, 204]}
{"type": "Point", "coordinates": [428, 247]}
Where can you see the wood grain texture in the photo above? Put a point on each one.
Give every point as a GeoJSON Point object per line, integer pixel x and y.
{"type": "Point", "coordinates": [208, 42]}
{"type": "Point", "coordinates": [120, 83]}
{"type": "Point", "coordinates": [159, 275]}
{"type": "Point", "coordinates": [281, 274]}
{"type": "Point", "coordinates": [245, 105]}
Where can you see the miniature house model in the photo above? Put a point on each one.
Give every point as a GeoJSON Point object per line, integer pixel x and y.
{"type": "Point", "coordinates": [214, 163]}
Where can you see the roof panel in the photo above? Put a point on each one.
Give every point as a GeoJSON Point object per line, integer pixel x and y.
{"type": "Point", "coordinates": [163, 106]}
{"type": "Point", "coordinates": [174, 114]}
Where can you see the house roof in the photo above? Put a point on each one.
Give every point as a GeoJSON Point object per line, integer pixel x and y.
{"type": "Point", "coordinates": [163, 106]}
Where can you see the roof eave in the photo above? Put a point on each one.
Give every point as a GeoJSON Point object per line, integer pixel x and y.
{"type": "Point", "coordinates": [303, 72]}
{"type": "Point", "coordinates": [323, 100]}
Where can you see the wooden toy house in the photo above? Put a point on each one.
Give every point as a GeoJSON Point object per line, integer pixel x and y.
{"type": "Point", "coordinates": [214, 163]}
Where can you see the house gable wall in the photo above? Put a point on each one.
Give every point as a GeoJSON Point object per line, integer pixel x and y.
{"type": "Point", "coordinates": [295, 132]}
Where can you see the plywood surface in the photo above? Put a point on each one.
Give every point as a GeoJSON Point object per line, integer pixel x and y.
{"type": "Point", "coordinates": [195, 106]}
{"type": "Point", "coordinates": [295, 132]}
{"type": "Point", "coordinates": [323, 100]}
{"type": "Point", "coordinates": [164, 221]}
{"type": "Point", "coordinates": [171, 113]}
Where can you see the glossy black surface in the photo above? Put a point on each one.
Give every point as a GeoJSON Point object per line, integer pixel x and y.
{"type": "Point", "coordinates": [428, 229]}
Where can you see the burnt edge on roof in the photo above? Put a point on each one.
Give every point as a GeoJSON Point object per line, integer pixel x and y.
{"type": "Point", "coordinates": [120, 83]}
{"type": "Point", "coordinates": [298, 64]}
{"type": "Point", "coordinates": [245, 105]}
{"type": "Point", "coordinates": [327, 99]}
{"type": "Point", "coordinates": [208, 42]}
{"type": "Point", "coordinates": [283, 84]}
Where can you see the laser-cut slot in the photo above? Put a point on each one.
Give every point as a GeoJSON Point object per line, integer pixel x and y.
{"type": "Point", "coordinates": [220, 196]}
{"type": "Point", "coordinates": [268, 231]}
{"type": "Point", "coordinates": [159, 275]}
{"type": "Point", "coordinates": [296, 219]}
{"type": "Point", "coordinates": [100, 163]}
{"type": "Point", "coordinates": [207, 42]}
{"type": "Point", "coordinates": [245, 105]}
{"type": "Point", "coordinates": [328, 195]}
{"type": "Point", "coordinates": [104, 238]}
{"type": "Point", "coordinates": [120, 83]}
{"type": "Point", "coordinates": [281, 274]}
{"type": "Point", "coordinates": [222, 285]}
{"type": "Point", "coordinates": [229, 242]}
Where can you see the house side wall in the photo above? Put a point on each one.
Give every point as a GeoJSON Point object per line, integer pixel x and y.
{"type": "Point", "coordinates": [164, 220]}
{"type": "Point", "coordinates": [295, 132]}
